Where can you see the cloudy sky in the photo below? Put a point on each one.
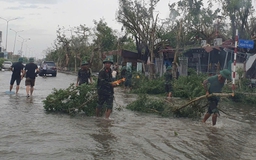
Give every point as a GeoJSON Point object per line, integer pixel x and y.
{"type": "Point", "coordinates": [40, 19]}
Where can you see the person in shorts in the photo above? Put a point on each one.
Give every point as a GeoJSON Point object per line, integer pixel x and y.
{"type": "Point", "coordinates": [31, 70]}
{"type": "Point", "coordinates": [168, 81]}
{"type": "Point", "coordinates": [214, 84]}
{"type": "Point", "coordinates": [128, 79]}
{"type": "Point", "coordinates": [17, 69]}
{"type": "Point", "coordinates": [105, 89]}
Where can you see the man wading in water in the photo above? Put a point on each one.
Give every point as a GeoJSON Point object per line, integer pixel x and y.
{"type": "Point", "coordinates": [17, 69]}
{"type": "Point", "coordinates": [31, 70]}
{"type": "Point", "coordinates": [105, 88]}
{"type": "Point", "coordinates": [216, 84]}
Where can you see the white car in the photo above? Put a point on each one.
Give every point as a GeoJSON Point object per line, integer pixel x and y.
{"type": "Point", "coordinates": [7, 65]}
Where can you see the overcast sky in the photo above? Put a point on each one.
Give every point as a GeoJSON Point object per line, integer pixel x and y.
{"type": "Point", "coordinates": [40, 19]}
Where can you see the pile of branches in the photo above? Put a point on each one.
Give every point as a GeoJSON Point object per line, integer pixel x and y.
{"type": "Point", "coordinates": [176, 107]}
{"type": "Point", "coordinates": [72, 100]}
{"type": "Point", "coordinates": [167, 108]}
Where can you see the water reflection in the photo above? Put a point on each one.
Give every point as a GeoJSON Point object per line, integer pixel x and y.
{"type": "Point", "coordinates": [105, 138]}
{"type": "Point", "coordinates": [27, 132]}
{"type": "Point", "coordinates": [29, 100]}
{"type": "Point", "coordinates": [214, 143]}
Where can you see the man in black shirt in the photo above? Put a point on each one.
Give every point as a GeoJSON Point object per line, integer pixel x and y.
{"type": "Point", "coordinates": [16, 69]}
{"type": "Point", "coordinates": [30, 71]}
{"type": "Point", "coordinates": [105, 89]}
{"type": "Point", "coordinates": [84, 74]}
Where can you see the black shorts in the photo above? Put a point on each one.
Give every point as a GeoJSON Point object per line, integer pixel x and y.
{"type": "Point", "coordinates": [30, 82]}
{"type": "Point", "coordinates": [44, 71]}
{"type": "Point", "coordinates": [107, 100]}
{"type": "Point", "coordinates": [212, 108]}
{"type": "Point", "coordinates": [128, 83]}
{"type": "Point", "coordinates": [17, 79]}
{"type": "Point", "coordinates": [168, 88]}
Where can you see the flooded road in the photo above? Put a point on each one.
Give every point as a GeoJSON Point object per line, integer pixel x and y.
{"type": "Point", "coordinates": [29, 133]}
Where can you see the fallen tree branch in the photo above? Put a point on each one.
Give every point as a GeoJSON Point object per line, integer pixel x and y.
{"type": "Point", "coordinates": [154, 110]}
{"type": "Point", "coordinates": [218, 109]}
{"type": "Point", "coordinates": [70, 110]}
{"type": "Point", "coordinates": [225, 112]}
{"type": "Point", "coordinates": [246, 93]}
{"type": "Point", "coordinates": [91, 98]}
{"type": "Point", "coordinates": [169, 101]}
{"type": "Point", "coordinates": [204, 96]}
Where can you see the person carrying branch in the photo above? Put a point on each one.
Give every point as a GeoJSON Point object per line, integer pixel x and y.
{"type": "Point", "coordinates": [105, 88]}
{"type": "Point", "coordinates": [214, 84]}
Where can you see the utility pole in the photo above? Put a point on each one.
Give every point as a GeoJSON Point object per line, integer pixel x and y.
{"type": "Point", "coordinates": [7, 23]}
{"type": "Point", "coordinates": [174, 63]}
{"type": "Point", "coordinates": [23, 40]}
{"type": "Point", "coordinates": [15, 39]}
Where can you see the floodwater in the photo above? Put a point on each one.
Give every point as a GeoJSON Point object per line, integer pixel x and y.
{"type": "Point", "coordinates": [29, 133]}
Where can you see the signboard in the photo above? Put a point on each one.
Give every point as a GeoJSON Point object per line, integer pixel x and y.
{"type": "Point", "coordinates": [217, 41]}
{"type": "Point", "coordinates": [203, 43]}
{"type": "Point", "coordinates": [246, 44]}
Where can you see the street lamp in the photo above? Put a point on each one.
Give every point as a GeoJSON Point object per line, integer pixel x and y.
{"type": "Point", "coordinates": [15, 38]}
{"type": "Point", "coordinates": [7, 23]}
{"type": "Point", "coordinates": [23, 40]}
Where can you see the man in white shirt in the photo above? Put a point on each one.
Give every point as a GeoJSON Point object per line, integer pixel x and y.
{"type": "Point", "coordinates": [44, 69]}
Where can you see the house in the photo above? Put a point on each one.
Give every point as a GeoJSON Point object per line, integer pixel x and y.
{"type": "Point", "coordinates": [125, 57]}
{"type": "Point", "coordinates": [165, 58]}
{"type": "Point", "coordinates": [211, 59]}
{"type": "Point", "coordinates": [250, 67]}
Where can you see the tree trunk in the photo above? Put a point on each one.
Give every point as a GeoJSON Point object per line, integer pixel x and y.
{"type": "Point", "coordinates": [174, 63]}
{"type": "Point", "coordinates": [204, 96]}
{"type": "Point", "coordinates": [152, 65]}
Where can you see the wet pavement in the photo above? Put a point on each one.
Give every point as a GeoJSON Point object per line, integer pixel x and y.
{"type": "Point", "coordinates": [29, 133]}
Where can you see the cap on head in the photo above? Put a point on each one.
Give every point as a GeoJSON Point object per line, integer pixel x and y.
{"type": "Point", "coordinates": [108, 59]}
{"type": "Point", "coordinates": [84, 63]}
{"type": "Point", "coordinates": [225, 73]}
{"type": "Point", "coordinates": [169, 68]}
{"type": "Point", "coordinates": [31, 60]}
{"type": "Point", "coordinates": [20, 59]}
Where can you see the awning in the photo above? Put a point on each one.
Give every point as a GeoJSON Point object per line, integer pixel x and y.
{"type": "Point", "coordinates": [249, 62]}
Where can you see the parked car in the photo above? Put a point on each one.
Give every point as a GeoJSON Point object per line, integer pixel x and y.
{"type": "Point", "coordinates": [51, 68]}
{"type": "Point", "coordinates": [7, 65]}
